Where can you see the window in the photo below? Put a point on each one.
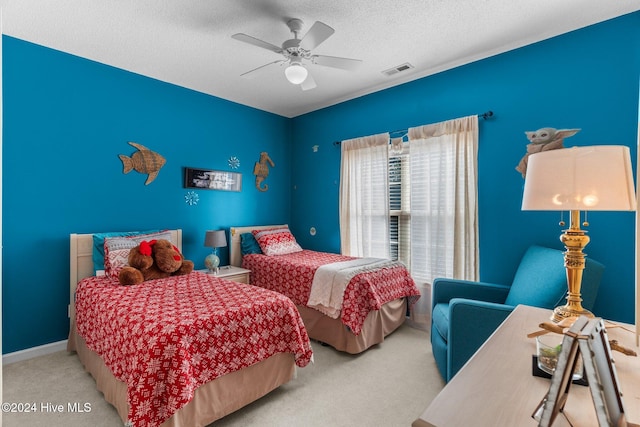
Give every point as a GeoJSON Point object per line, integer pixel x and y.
{"type": "Point", "coordinates": [364, 205]}
{"type": "Point", "coordinates": [444, 217]}
{"type": "Point", "coordinates": [399, 208]}
{"type": "Point", "coordinates": [415, 202]}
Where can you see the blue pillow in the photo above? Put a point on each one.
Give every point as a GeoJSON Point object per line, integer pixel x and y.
{"type": "Point", "coordinates": [98, 245]}
{"type": "Point", "coordinates": [249, 244]}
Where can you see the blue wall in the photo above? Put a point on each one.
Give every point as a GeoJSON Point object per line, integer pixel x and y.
{"type": "Point", "coordinates": [586, 79]}
{"type": "Point", "coordinates": [66, 119]}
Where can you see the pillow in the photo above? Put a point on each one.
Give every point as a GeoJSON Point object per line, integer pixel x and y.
{"type": "Point", "coordinates": [98, 245]}
{"type": "Point", "coordinates": [249, 244]}
{"type": "Point", "coordinates": [276, 241]}
{"type": "Point", "coordinates": [116, 250]}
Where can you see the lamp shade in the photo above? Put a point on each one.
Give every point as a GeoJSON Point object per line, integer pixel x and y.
{"type": "Point", "coordinates": [296, 73]}
{"type": "Point", "coordinates": [592, 178]}
{"type": "Point", "coordinates": [215, 239]}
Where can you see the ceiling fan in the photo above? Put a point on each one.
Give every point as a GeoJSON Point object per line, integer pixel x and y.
{"type": "Point", "coordinates": [297, 51]}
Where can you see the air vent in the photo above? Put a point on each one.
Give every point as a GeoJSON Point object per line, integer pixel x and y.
{"type": "Point", "coordinates": [397, 69]}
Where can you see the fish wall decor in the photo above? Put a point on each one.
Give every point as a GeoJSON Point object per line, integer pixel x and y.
{"type": "Point", "coordinates": [143, 161]}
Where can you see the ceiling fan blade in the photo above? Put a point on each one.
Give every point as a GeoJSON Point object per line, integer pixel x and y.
{"type": "Point", "coordinates": [256, 71]}
{"type": "Point", "coordinates": [318, 33]}
{"type": "Point", "coordinates": [308, 83]}
{"type": "Point", "coordinates": [336, 62]}
{"type": "Point", "coordinates": [257, 42]}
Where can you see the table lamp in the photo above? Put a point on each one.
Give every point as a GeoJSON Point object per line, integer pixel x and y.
{"type": "Point", "coordinates": [214, 239]}
{"type": "Point", "coordinates": [592, 178]}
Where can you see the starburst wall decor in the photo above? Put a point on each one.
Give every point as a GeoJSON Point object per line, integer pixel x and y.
{"type": "Point", "coordinates": [191, 198]}
{"type": "Point", "coordinates": [234, 163]}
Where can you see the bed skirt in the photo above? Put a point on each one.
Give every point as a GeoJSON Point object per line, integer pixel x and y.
{"type": "Point", "coordinates": [377, 326]}
{"type": "Point", "coordinates": [211, 401]}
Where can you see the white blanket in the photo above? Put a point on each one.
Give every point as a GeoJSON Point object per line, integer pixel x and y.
{"type": "Point", "coordinates": [331, 280]}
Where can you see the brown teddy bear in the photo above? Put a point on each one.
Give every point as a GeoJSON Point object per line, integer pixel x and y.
{"type": "Point", "coordinates": [155, 259]}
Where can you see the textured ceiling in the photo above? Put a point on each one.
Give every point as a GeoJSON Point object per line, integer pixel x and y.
{"type": "Point", "coordinates": [188, 42]}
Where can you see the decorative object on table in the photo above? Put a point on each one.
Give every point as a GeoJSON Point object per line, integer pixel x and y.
{"type": "Point", "coordinates": [234, 163]}
{"type": "Point", "coordinates": [154, 259]}
{"type": "Point", "coordinates": [191, 198]}
{"type": "Point", "coordinates": [588, 339]}
{"type": "Point", "coordinates": [592, 178]}
{"type": "Point", "coordinates": [537, 372]}
{"type": "Point", "coordinates": [143, 161]}
{"type": "Point", "coordinates": [564, 325]}
{"type": "Point", "coordinates": [548, 349]}
{"type": "Point", "coordinates": [212, 179]}
{"type": "Point", "coordinates": [544, 139]}
{"type": "Point", "coordinates": [214, 239]}
{"type": "Point", "coordinates": [261, 170]}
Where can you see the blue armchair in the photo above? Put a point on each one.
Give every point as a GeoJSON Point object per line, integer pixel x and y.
{"type": "Point", "coordinates": [464, 313]}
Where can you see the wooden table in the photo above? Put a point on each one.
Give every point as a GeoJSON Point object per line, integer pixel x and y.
{"type": "Point", "coordinates": [496, 388]}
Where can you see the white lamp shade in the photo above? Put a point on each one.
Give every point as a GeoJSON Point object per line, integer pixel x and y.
{"type": "Point", "coordinates": [215, 239]}
{"type": "Point", "coordinates": [296, 73]}
{"type": "Point", "coordinates": [592, 178]}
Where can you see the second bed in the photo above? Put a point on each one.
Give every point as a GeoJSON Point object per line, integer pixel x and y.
{"type": "Point", "coordinates": [375, 301]}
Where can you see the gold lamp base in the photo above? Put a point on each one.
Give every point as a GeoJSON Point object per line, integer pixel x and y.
{"type": "Point", "coordinates": [567, 312]}
{"type": "Point", "coordinates": [574, 240]}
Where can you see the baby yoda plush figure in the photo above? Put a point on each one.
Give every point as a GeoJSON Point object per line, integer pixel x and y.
{"type": "Point", "coordinates": [544, 139]}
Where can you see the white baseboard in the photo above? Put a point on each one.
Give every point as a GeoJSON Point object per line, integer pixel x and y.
{"type": "Point", "coordinates": [30, 353]}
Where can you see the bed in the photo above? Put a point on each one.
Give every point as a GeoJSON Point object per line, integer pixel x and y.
{"type": "Point", "coordinates": [190, 349]}
{"type": "Point", "coordinates": [375, 301]}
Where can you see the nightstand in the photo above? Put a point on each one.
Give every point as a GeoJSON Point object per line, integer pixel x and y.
{"type": "Point", "coordinates": [230, 272]}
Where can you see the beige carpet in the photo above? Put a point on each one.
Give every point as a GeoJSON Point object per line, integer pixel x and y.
{"type": "Point", "coordinates": [387, 386]}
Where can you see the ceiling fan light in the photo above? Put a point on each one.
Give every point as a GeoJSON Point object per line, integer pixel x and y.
{"type": "Point", "coordinates": [296, 73]}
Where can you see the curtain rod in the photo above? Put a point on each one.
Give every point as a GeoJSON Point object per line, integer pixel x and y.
{"type": "Point", "coordinates": [484, 116]}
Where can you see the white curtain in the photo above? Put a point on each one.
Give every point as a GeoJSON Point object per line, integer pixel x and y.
{"type": "Point", "coordinates": [444, 213]}
{"type": "Point", "coordinates": [364, 197]}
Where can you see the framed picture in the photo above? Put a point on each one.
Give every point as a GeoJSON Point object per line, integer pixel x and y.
{"type": "Point", "coordinates": [586, 338]}
{"type": "Point", "coordinates": [212, 179]}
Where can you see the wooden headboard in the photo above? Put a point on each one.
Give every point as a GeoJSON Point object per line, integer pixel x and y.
{"type": "Point", "coordinates": [81, 262]}
{"type": "Point", "coordinates": [235, 252]}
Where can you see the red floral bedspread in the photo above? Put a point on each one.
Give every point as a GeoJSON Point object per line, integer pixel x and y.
{"type": "Point", "coordinates": [165, 338]}
{"type": "Point", "coordinates": [292, 275]}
